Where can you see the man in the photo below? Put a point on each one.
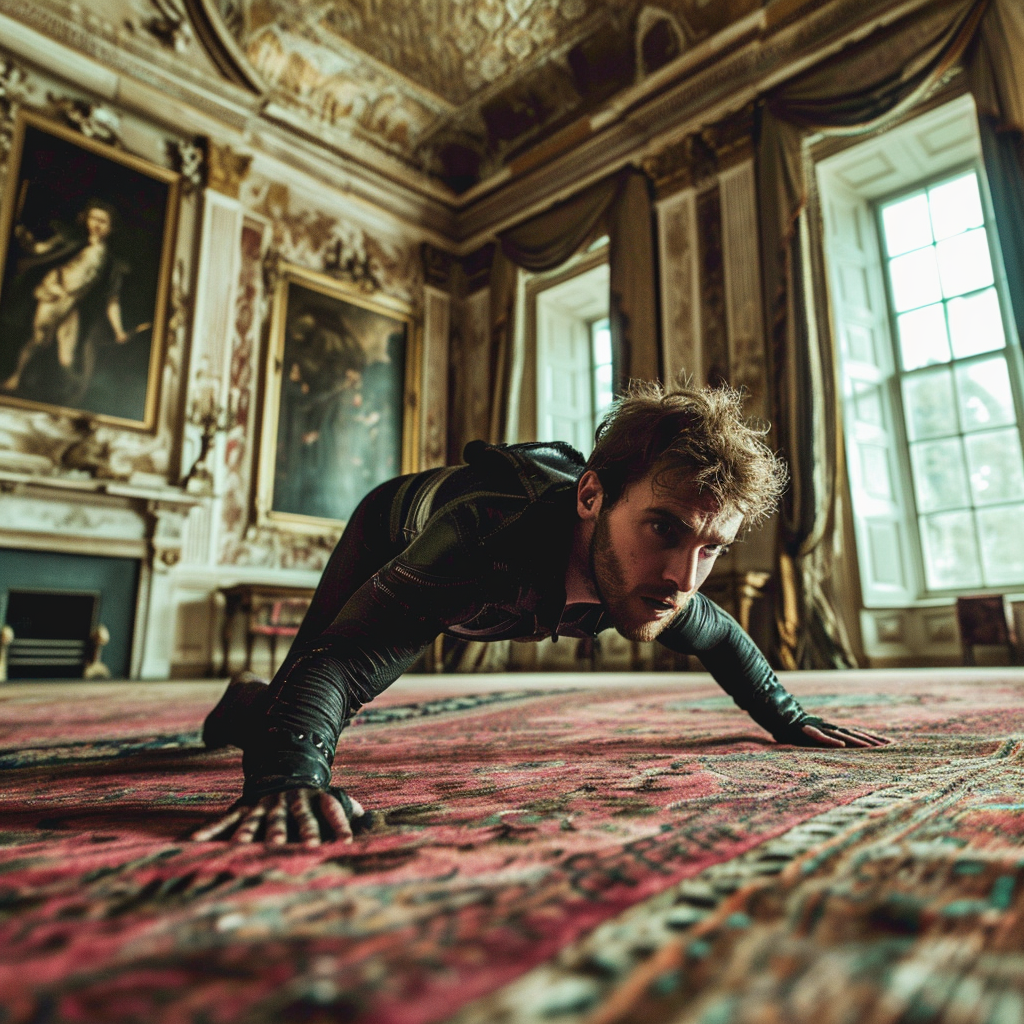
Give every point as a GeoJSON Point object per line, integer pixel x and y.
{"type": "Point", "coordinates": [75, 284]}
{"type": "Point", "coordinates": [522, 542]}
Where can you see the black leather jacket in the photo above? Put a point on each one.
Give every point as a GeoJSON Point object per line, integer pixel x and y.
{"type": "Point", "coordinates": [479, 552]}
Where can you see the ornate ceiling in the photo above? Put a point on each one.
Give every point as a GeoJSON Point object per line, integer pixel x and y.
{"type": "Point", "coordinates": [458, 88]}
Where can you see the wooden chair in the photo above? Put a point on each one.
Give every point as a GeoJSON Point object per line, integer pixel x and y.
{"type": "Point", "coordinates": [985, 619]}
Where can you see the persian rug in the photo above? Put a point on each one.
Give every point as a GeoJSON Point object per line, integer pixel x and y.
{"type": "Point", "coordinates": [506, 830]}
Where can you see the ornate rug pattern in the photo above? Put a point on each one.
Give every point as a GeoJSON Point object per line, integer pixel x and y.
{"type": "Point", "coordinates": [502, 830]}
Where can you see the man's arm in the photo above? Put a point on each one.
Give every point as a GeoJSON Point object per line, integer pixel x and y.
{"type": "Point", "coordinates": [736, 664]}
{"type": "Point", "coordinates": [379, 632]}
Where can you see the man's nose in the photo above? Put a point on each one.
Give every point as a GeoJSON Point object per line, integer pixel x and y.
{"type": "Point", "coordinates": [682, 568]}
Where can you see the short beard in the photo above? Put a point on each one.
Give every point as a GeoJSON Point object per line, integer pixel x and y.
{"type": "Point", "coordinates": [610, 583]}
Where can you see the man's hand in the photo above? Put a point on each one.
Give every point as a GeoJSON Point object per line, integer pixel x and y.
{"type": "Point", "coordinates": [273, 814]}
{"type": "Point", "coordinates": [827, 735]}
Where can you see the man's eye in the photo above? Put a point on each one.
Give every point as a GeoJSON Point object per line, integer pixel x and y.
{"type": "Point", "coordinates": [715, 550]}
{"type": "Point", "coordinates": [662, 529]}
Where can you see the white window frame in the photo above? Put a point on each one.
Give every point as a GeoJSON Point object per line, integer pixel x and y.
{"type": "Point", "coordinates": [913, 155]}
{"type": "Point", "coordinates": [1012, 353]}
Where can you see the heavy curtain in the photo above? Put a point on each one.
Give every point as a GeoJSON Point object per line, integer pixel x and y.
{"type": "Point", "coordinates": [619, 206]}
{"type": "Point", "coordinates": [996, 69]}
{"type": "Point", "coordinates": [852, 93]}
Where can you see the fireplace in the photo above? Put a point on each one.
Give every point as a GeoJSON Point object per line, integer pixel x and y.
{"type": "Point", "coordinates": [55, 604]}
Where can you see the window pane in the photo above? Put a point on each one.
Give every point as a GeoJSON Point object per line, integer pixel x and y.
{"type": "Point", "coordinates": [929, 405]}
{"type": "Point", "coordinates": [867, 403]}
{"type": "Point", "coordinates": [940, 479]}
{"type": "Point", "coordinates": [950, 551]}
{"type": "Point", "coordinates": [907, 225]}
{"type": "Point", "coordinates": [1002, 554]}
{"type": "Point", "coordinates": [602, 343]}
{"type": "Point", "coordinates": [964, 263]}
{"type": "Point", "coordinates": [997, 470]}
{"type": "Point", "coordinates": [976, 324]}
{"type": "Point", "coordinates": [985, 396]}
{"type": "Point", "coordinates": [956, 206]}
{"type": "Point", "coordinates": [923, 339]}
{"type": "Point", "coordinates": [915, 280]}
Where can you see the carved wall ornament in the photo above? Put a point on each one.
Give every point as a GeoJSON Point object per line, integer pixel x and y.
{"type": "Point", "coordinates": [94, 121]}
{"type": "Point", "coordinates": [437, 266]}
{"type": "Point", "coordinates": [87, 452]}
{"type": "Point", "coordinates": [699, 157]}
{"type": "Point", "coordinates": [13, 88]}
{"type": "Point", "coordinates": [351, 263]}
{"type": "Point", "coordinates": [227, 169]}
{"type": "Point", "coordinates": [188, 158]}
{"type": "Point", "coordinates": [170, 24]}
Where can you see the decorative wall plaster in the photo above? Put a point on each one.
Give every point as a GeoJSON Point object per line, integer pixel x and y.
{"type": "Point", "coordinates": [677, 259]}
{"type": "Point", "coordinates": [309, 237]}
{"type": "Point", "coordinates": [436, 326]}
{"type": "Point", "coordinates": [23, 513]}
{"type": "Point", "coordinates": [742, 260]}
{"type": "Point", "coordinates": [238, 448]}
{"type": "Point", "coordinates": [714, 333]}
{"type": "Point", "coordinates": [240, 544]}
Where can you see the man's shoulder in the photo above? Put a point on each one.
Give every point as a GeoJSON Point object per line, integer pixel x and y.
{"type": "Point", "coordinates": [504, 497]}
{"type": "Point", "coordinates": [537, 466]}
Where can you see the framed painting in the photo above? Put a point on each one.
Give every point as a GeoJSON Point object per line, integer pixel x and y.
{"type": "Point", "coordinates": [87, 234]}
{"type": "Point", "coordinates": [340, 401]}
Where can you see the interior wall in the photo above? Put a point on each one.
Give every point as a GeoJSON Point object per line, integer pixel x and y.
{"type": "Point", "coordinates": [74, 484]}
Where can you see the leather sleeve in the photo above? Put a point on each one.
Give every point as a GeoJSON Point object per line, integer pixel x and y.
{"type": "Point", "coordinates": [733, 659]}
{"type": "Point", "coordinates": [378, 634]}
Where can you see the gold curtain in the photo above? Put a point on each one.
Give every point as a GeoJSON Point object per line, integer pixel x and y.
{"type": "Point", "coordinates": [854, 92]}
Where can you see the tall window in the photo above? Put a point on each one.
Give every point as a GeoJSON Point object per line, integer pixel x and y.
{"type": "Point", "coordinates": [960, 396]}
{"type": "Point", "coordinates": [601, 360]}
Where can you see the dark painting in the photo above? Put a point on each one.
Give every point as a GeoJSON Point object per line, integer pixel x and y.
{"type": "Point", "coordinates": [87, 237]}
{"type": "Point", "coordinates": [340, 412]}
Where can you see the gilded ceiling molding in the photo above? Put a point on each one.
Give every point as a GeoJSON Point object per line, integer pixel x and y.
{"type": "Point", "coordinates": [220, 46]}
{"type": "Point", "coordinates": [226, 169]}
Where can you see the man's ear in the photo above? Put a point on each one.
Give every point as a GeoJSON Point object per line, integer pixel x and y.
{"type": "Point", "coordinates": [589, 495]}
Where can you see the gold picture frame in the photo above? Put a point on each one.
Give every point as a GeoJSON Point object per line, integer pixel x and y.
{"type": "Point", "coordinates": [339, 412]}
{"type": "Point", "coordinates": [83, 310]}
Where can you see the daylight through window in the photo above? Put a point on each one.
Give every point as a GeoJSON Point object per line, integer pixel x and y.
{"type": "Point", "coordinates": [960, 411]}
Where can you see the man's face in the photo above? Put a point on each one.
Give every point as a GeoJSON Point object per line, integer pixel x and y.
{"type": "Point", "coordinates": [97, 223]}
{"type": "Point", "coordinates": [653, 549]}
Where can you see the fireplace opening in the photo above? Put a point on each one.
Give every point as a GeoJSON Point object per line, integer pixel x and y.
{"type": "Point", "coordinates": [53, 633]}
{"type": "Point", "coordinates": [57, 608]}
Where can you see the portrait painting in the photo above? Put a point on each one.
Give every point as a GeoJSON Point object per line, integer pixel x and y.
{"type": "Point", "coordinates": [338, 419]}
{"type": "Point", "coordinates": [87, 232]}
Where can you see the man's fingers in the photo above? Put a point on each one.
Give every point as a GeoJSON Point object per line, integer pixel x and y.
{"type": "Point", "coordinates": [823, 738]}
{"type": "Point", "coordinates": [251, 825]}
{"type": "Point", "coordinates": [869, 738]}
{"type": "Point", "coordinates": [309, 827]}
{"type": "Point", "coordinates": [277, 820]}
{"type": "Point", "coordinates": [332, 810]}
{"type": "Point", "coordinates": [201, 835]}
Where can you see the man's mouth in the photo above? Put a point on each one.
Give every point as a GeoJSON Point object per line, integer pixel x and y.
{"type": "Point", "coordinates": [660, 606]}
